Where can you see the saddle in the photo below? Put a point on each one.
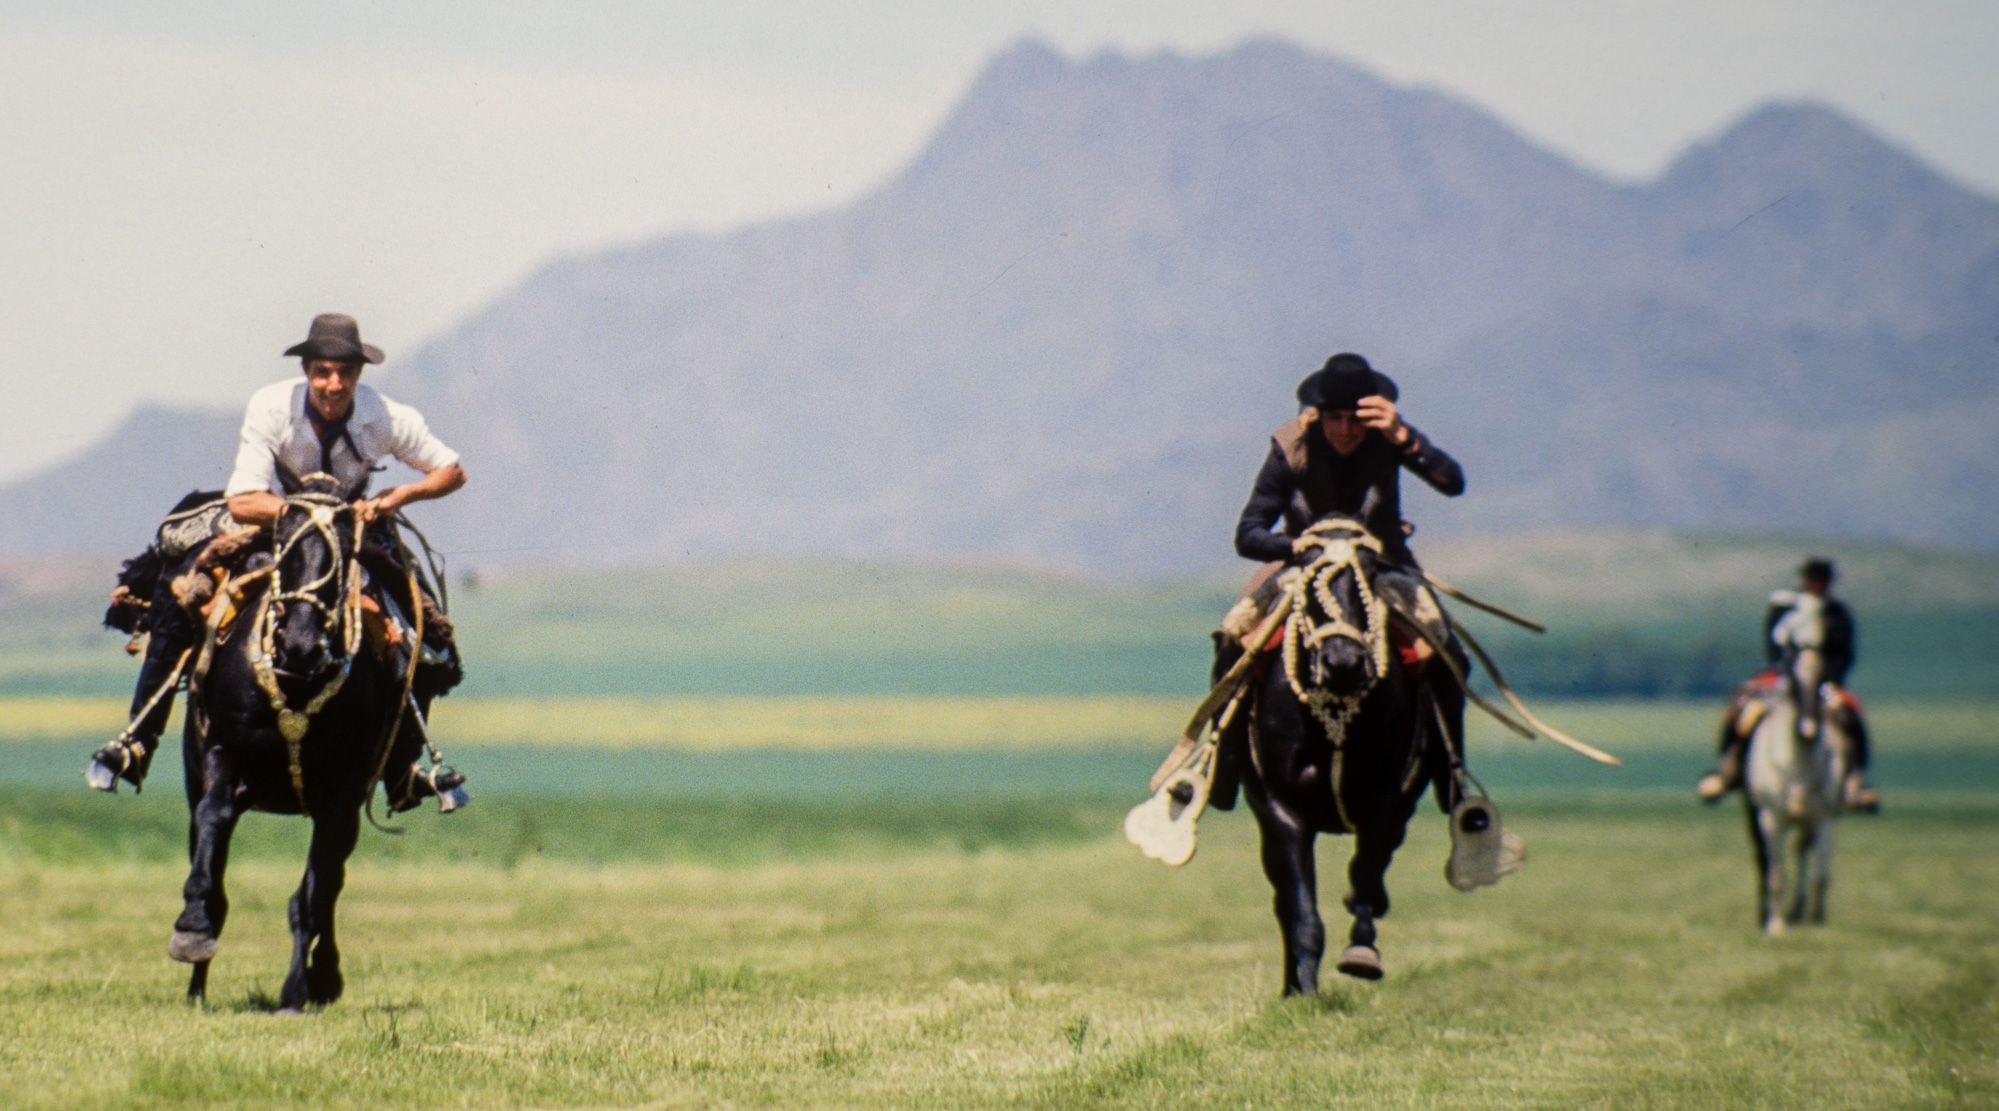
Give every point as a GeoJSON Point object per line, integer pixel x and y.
{"type": "Point", "coordinates": [222, 552]}
{"type": "Point", "coordinates": [1746, 709]}
{"type": "Point", "coordinates": [1411, 606]}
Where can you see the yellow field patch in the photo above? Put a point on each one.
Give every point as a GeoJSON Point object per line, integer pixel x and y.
{"type": "Point", "coordinates": [710, 722]}
{"type": "Point", "coordinates": [34, 718]}
{"type": "Point", "coordinates": [817, 722]}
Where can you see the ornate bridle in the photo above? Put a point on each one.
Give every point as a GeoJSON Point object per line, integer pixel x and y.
{"type": "Point", "coordinates": [1340, 543]}
{"type": "Point", "coordinates": [339, 624]}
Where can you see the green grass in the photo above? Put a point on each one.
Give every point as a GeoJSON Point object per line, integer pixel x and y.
{"type": "Point", "coordinates": [960, 926]}
{"type": "Point", "coordinates": [1051, 969]}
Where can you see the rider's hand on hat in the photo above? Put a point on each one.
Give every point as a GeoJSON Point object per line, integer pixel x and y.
{"type": "Point", "coordinates": [1379, 414]}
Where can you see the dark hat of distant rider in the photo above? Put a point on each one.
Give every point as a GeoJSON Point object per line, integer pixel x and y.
{"type": "Point", "coordinates": [335, 335]}
{"type": "Point", "coordinates": [1342, 382]}
{"type": "Point", "coordinates": [1816, 567]}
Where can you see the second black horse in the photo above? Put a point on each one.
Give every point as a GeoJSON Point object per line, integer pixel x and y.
{"type": "Point", "coordinates": [1344, 736]}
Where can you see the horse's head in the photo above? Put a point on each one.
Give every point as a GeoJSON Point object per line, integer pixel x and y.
{"type": "Point", "coordinates": [1800, 637]}
{"type": "Point", "coordinates": [313, 534]}
{"type": "Point", "coordinates": [1340, 622]}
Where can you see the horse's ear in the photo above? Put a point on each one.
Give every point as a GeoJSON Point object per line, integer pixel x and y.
{"type": "Point", "coordinates": [288, 479]}
{"type": "Point", "coordinates": [356, 489]}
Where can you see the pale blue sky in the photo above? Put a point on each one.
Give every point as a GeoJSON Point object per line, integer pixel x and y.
{"type": "Point", "coordinates": [186, 185]}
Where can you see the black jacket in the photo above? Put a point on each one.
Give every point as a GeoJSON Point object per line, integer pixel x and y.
{"type": "Point", "coordinates": [1303, 479]}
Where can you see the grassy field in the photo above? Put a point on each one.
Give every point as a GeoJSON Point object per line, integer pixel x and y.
{"type": "Point", "coordinates": [958, 924]}
{"type": "Point", "coordinates": [866, 956]}
{"type": "Point", "coordinates": [848, 835]}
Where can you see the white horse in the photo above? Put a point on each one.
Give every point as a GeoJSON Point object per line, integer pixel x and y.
{"type": "Point", "coordinates": [1796, 768]}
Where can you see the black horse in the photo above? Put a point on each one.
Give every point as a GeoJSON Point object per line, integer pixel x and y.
{"type": "Point", "coordinates": [1343, 738]}
{"type": "Point", "coordinates": [290, 717]}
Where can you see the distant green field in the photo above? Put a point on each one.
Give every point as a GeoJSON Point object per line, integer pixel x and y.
{"type": "Point", "coordinates": [1097, 747]}
{"type": "Point", "coordinates": [1630, 614]}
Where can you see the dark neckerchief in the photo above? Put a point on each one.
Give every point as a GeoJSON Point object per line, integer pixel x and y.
{"type": "Point", "coordinates": [330, 433]}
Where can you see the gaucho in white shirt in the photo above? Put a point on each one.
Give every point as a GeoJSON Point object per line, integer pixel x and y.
{"type": "Point", "coordinates": [330, 422]}
{"type": "Point", "coordinates": [279, 431]}
{"type": "Point", "coordinates": [325, 421]}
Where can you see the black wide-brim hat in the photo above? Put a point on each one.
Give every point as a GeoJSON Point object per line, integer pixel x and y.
{"type": "Point", "coordinates": [336, 336]}
{"type": "Point", "coordinates": [1342, 382]}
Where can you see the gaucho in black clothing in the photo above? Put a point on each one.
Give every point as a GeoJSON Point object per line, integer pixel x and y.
{"type": "Point", "coordinates": [1343, 454]}
{"type": "Point", "coordinates": [1306, 477]}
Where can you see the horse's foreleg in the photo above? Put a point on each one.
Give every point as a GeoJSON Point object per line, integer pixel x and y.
{"type": "Point", "coordinates": [1766, 833]}
{"type": "Point", "coordinates": [315, 969]}
{"type": "Point", "coordinates": [1801, 852]}
{"type": "Point", "coordinates": [1287, 861]}
{"type": "Point", "coordinates": [207, 904]}
{"type": "Point", "coordinates": [1817, 869]}
{"type": "Point", "coordinates": [1375, 843]}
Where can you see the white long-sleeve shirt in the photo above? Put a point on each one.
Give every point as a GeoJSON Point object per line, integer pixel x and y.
{"type": "Point", "coordinates": [276, 429]}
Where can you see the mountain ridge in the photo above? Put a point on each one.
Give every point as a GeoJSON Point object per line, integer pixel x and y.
{"type": "Point", "coordinates": [1065, 330]}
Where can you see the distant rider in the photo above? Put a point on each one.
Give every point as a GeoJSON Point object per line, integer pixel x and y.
{"type": "Point", "coordinates": [1343, 454]}
{"type": "Point", "coordinates": [1814, 578]}
{"type": "Point", "coordinates": [326, 422]}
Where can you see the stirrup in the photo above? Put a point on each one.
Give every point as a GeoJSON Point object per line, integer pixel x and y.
{"type": "Point", "coordinates": [123, 757]}
{"type": "Point", "coordinates": [1483, 850]}
{"type": "Point", "coordinates": [1857, 797]}
{"type": "Point", "coordinates": [441, 780]}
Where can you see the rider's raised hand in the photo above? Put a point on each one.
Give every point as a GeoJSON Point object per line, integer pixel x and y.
{"type": "Point", "coordinates": [1379, 414]}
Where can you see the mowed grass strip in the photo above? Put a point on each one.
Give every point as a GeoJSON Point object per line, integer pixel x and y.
{"type": "Point", "coordinates": [1620, 969]}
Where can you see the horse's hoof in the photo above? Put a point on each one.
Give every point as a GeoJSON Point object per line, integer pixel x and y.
{"type": "Point", "coordinates": [1361, 962]}
{"type": "Point", "coordinates": [288, 1012]}
{"type": "Point", "coordinates": [191, 948]}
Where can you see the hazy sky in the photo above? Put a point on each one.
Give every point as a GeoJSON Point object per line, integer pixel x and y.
{"type": "Point", "coordinates": [185, 188]}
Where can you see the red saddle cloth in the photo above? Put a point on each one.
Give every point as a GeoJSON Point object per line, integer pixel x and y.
{"type": "Point", "coordinates": [1770, 679]}
{"type": "Point", "coordinates": [1406, 645]}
